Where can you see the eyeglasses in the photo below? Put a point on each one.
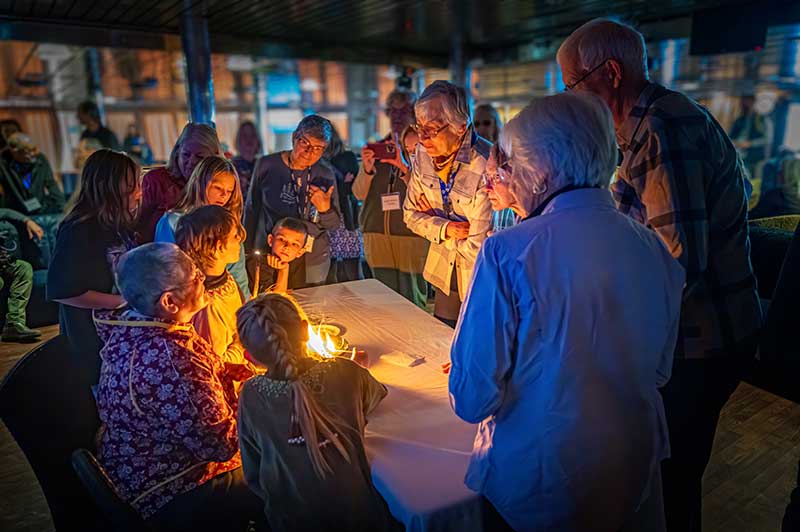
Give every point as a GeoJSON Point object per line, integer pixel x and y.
{"type": "Point", "coordinates": [485, 123]}
{"type": "Point", "coordinates": [582, 78]}
{"type": "Point", "coordinates": [428, 133]}
{"type": "Point", "coordinates": [305, 145]}
{"type": "Point", "coordinates": [399, 111]}
{"type": "Point", "coordinates": [504, 170]}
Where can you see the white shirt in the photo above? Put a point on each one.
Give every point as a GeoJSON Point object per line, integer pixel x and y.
{"type": "Point", "coordinates": [566, 334]}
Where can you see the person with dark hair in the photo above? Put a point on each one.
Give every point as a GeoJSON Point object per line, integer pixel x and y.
{"type": "Point", "coordinates": [8, 127]}
{"type": "Point", "coordinates": [315, 476]}
{"type": "Point", "coordinates": [167, 403]}
{"type": "Point", "coordinates": [211, 236]}
{"type": "Point", "coordinates": [296, 184]}
{"type": "Point", "coordinates": [487, 122]}
{"type": "Point", "coordinates": [248, 149]}
{"type": "Point", "coordinates": [162, 187]}
{"type": "Point", "coordinates": [287, 242]}
{"type": "Point", "coordinates": [346, 241]}
{"type": "Point", "coordinates": [137, 147]}
{"type": "Point", "coordinates": [89, 117]}
{"type": "Point", "coordinates": [394, 253]}
{"type": "Point", "coordinates": [95, 232]}
{"type": "Point", "coordinates": [27, 184]}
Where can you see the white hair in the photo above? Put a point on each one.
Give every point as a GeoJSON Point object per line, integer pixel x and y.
{"type": "Point", "coordinates": [147, 271]}
{"type": "Point", "coordinates": [601, 39]}
{"type": "Point", "coordinates": [561, 140]}
{"type": "Point", "coordinates": [453, 101]}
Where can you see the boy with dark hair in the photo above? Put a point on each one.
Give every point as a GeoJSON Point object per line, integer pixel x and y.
{"type": "Point", "coordinates": [279, 269]}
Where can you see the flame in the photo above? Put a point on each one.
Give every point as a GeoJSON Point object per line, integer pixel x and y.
{"type": "Point", "coordinates": [320, 344]}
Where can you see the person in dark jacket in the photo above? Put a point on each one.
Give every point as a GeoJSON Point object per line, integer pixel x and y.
{"type": "Point", "coordinates": [89, 117]}
{"type": "Point", "coordinates": [17, 274]}
{"type": "Point", "coordinates": [395, 254]}
{"type": "Point", "coordinates": [27, 181]}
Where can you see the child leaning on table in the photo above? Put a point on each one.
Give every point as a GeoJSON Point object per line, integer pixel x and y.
{"type": "Point", "coordinates": [301, 427]}
{"type": "Point", "coordinates": [279, 269]}
{"type": "Point", "coordinates": [211, 235]}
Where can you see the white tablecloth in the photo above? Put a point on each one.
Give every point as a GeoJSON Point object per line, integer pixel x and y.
{"type": "Point", "coordinates": [417, 446]}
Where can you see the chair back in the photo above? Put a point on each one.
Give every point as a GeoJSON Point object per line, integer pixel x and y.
{"type": "Point", "coordinates": [47, 404]}
{"type": "Point", "coordinates": [122, 516]}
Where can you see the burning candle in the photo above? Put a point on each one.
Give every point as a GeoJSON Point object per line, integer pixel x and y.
{"type": "Point", "coordinates": [257, 253]}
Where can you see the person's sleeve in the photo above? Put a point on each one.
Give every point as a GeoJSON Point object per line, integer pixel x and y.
{"type": "Point", "coordinates": [12, 216]}
{"type": "Point", "coordinates": [673, 296]}
{"type": "Point", "coordinates": [151, 211]}
{"type": "Point", "coordinates": [482, 348]}
{"type": "Point", "coordinates": [208, 427]}
{"type": "Point", "coordinates": [248, 444]}
{"type": "Point", "coordinates": [372, 391]}
{"type": "Point", "coordinates": [238, 271]}
{"type": "Point", "coordinates": [425, 225]}
{"type": "Point", "coordinates": [736, 129]}
{"type": "Point", "coordinates": [332, 219]}
{"type": "Point", "coordinates": [480, 222]}
{"type": "Point", "coordinates": [669, 176]}
{"type": "Point", "coordinates": [54, 200]}
{"type": "Point", "coordinates": [362, 183]}
{"type": "Point", "coordinates": [164, 232]}
{"type": "Point", "coordinates": [252, 206]}
{"type": "Point", "coordinates": [77, 265]}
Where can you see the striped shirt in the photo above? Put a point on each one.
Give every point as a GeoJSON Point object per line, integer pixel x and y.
{"type": "Point", "coordinates": [681, 176]}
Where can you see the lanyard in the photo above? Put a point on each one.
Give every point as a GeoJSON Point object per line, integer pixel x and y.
{"type": "Point", "coordinates": [447, 188]}
{"type": "Point", "coordinates": [300, 185]}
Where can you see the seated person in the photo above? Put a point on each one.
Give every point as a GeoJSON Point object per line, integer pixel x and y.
{"type": "Point", "coordinates": [324, 404]}
{"type": "Point", "coordinates": [27, 181]}
{"type": "Point", "coordinates": [212, 237]}
{"type": "Point", "coordinates": [168, 409]}
{"type": "Point", "coordinates": [18, 275]}
{"type": "Point", "coordinates": [287, 242]}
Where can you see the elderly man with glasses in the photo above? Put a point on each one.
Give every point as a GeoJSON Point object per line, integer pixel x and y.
{"type": "Point", "coordinates": [296, 184]}
{"type": "Point", "coordinates": [681, 176]}
{"type": "Point", "coordinates": [447, 201]}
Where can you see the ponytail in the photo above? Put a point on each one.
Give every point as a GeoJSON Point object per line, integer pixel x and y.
{"type": "Point", "coordinates": [270, 329]}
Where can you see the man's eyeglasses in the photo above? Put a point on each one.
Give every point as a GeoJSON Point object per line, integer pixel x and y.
{"type": "Point", "coordinates": [307, 146]}
{"type": "Point", "coordinates": [582, 78]}
{"type": "Point", "coordinates": [484, 123]}
{"type": "Point", "coordinates": [427, 132]}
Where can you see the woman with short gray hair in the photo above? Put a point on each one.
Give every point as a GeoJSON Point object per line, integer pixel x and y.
{"type": "Point", "coordinates": [296, 184]}
{"type": "Point", "coordinates": [572, 427]}
{"type": "Point", "coordinates": [166, 402]}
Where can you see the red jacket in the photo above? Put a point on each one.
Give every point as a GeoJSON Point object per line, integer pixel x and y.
{"type": "Point", "coordinates": [160, 193]}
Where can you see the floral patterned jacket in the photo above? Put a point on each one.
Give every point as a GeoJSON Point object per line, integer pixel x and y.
{"type": "Point", "coordinates": [167, 408]}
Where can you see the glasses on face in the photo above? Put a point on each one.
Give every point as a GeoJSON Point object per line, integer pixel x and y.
{"type": "Point", "coordinates": [305, 145]}
{"type": "Point", "coordinates": [398, 111]}
{"type": "Point", "coordinates": [484, 123]}
{"type": "Point", "coordinates": [428, 132]}
{"type": "Point", "coordinates": [582, 78]}
{"type": "Point", "coordinates": [503, 172]}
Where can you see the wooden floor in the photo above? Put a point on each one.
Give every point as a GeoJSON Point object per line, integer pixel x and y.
{"type": "Point", "coordinates": [746, 487]}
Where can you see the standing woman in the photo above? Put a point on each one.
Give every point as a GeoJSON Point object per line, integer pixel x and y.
{"type": "Point", "coordinates": [346, 241]}
{"type": "Point", "coordinates": [93, 235]}
{"type": "Point", "coordinates": [162, 187]}
{"type": "Point", "coordinates": [488, 125]}
{"type": "Point", "coordinates": [487, 122]}
{"type": "Point", "coordinates": [248, 149]}
{"type": "Point", "coordinates": [296, 184]}
{"type": "Point", "coordinates": [395, 254]}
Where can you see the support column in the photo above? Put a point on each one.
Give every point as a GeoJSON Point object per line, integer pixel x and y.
{"type": "Point", "coordinates": [261, 104]}
{"type": "Point", "coordinates": [95, 81]}
{"type": "Point", "coordinates": [197, 58]}
{"type": "Point", "coordinates": [458, 61]}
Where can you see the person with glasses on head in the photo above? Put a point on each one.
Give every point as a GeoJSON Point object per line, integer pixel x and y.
{"type": "Point", "coordinates": [571, 423]}
{"type": "Point", "coordinates": [296, 184]}
{"type": "Point", "coordinates": [448, 202]}
{"type": "Point", "coordinates": [394, 253]}
{"type": "Point", "coordinates": [680, 175]}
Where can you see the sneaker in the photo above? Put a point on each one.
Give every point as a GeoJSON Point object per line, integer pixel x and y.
{"type": "Point", "coordinates": [18, 332]}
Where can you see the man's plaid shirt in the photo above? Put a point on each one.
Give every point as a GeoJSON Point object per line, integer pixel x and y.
{"type": "Point", "coordinates": [682, 176]}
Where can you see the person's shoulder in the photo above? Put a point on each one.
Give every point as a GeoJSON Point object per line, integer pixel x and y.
{"type": "Point", "coordinates": [481, 147]}
{"type": "Point", "coordinates": [156, 174]}
{"type": "Point", "coordinates": [323, 168]}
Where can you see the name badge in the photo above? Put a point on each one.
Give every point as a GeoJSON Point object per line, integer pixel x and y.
{"type": "Point", "coordinates": [32, 205]}
{"type": "Point", "coordinates": [390, 202]}
{"type": "Point", "coordinates": [309, 244]}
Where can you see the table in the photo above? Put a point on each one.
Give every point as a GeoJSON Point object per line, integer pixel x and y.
{"type": "Point", "coordinates": [417, 447]}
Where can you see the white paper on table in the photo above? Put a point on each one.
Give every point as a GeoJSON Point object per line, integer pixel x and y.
{"type": "Point", "coordinates": [404, 360]}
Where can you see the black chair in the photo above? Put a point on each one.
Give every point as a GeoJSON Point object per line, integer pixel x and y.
{"type": "Point", "coordinates": [47, 405]}
{"type": "Point", "coordinates": [778, 368]}
{"type": "Point", "coordinates": [122, 516]}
